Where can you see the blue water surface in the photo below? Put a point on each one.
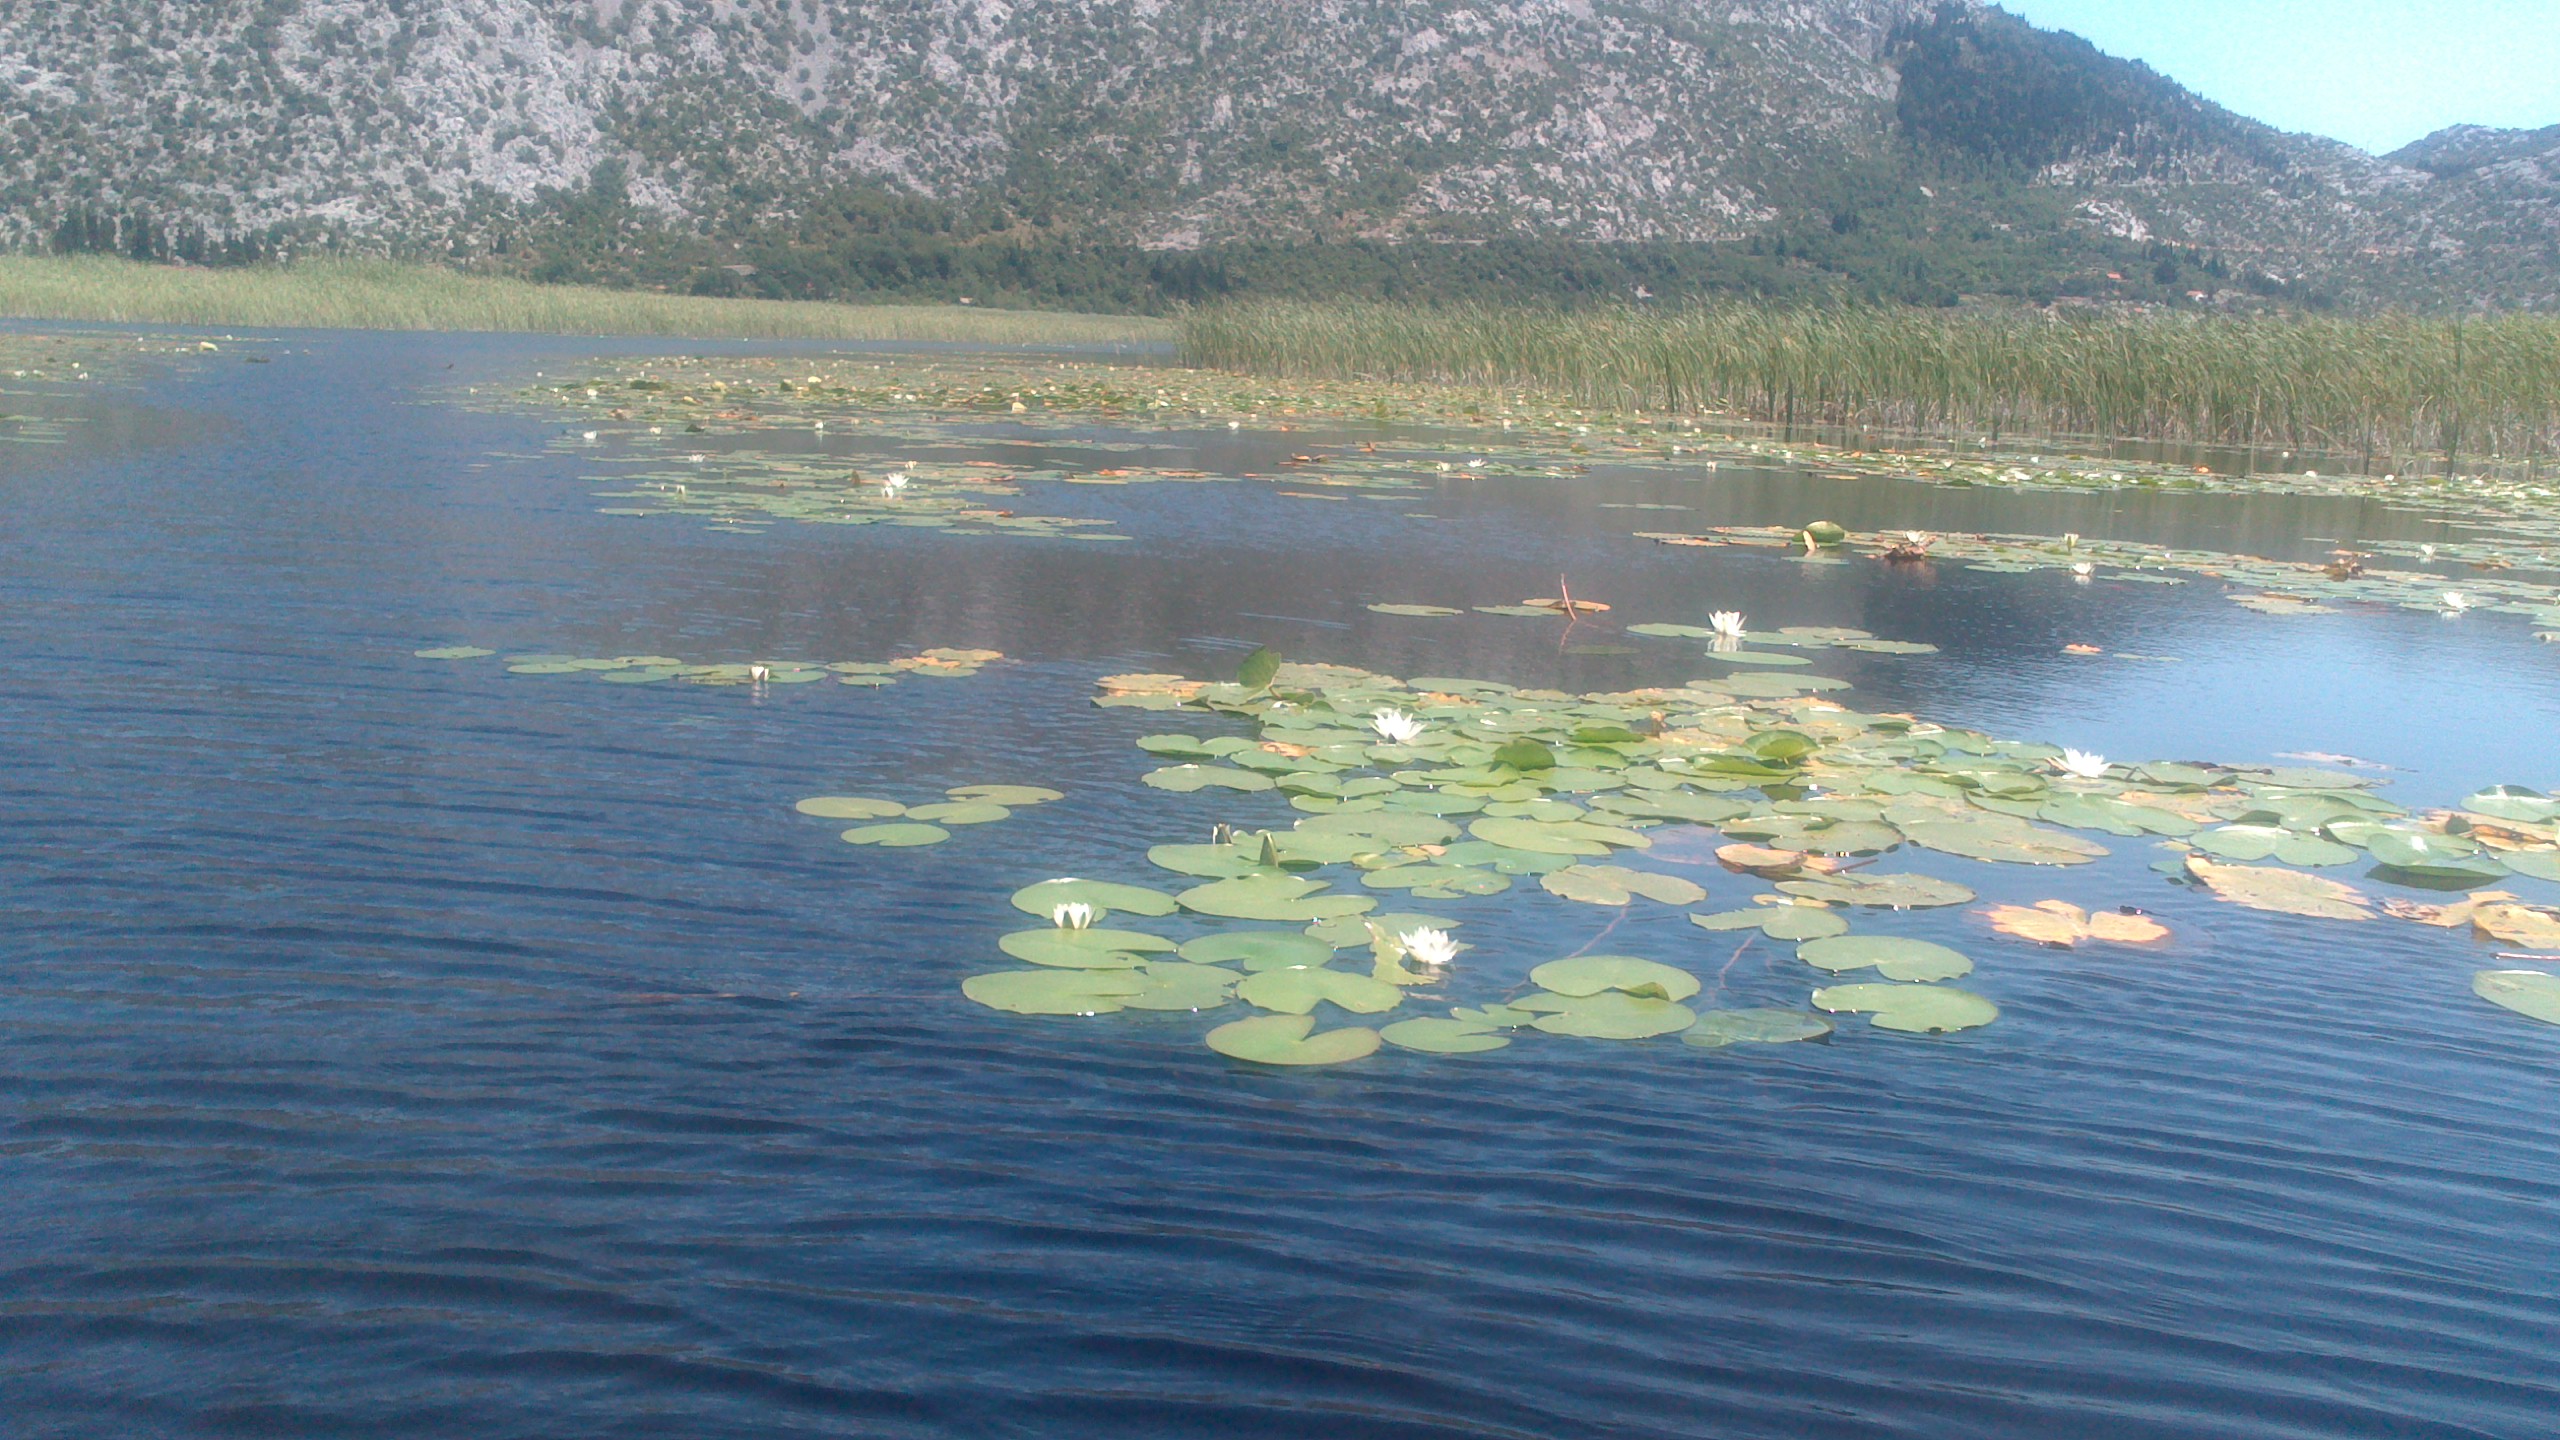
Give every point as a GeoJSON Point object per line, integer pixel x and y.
{"type": "Point", "coordinates": [399, 1048]}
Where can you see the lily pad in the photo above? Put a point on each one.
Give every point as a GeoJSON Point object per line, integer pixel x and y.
{"type": "Point", "coordinates": [895, 837]}
{"type": "Point", "coordinates": [2282, 892]}
{"type": "Point", "coordinates": [1289, 1040]}
{"type": "Point", "coordinates": [1298, 991]}
{"type": "Point", "coordinates": [1417, 611]}
{"type": "Point", "coordinates": [2016, 844]}
{"type": "Point", "coordinates": [1717, 1029]}
{"type": "Point", "coordinates": [1174, 986]}
{"type": "Point", "coordinates": [1591, 974]}
{"type": "Point", "coordinates": [454, 652]}
{"type": "Point", "coordinates": [1272, 897]}
{"type": "Point", "coordinates": [849, 807]}
{"type": "Point", "coordinates": [1560, 837]}
{"type": "Point", "coordinates": [1617, 885]}
{"type": "Point", "coordinates": [1608, 1015]}
{"type": "Point", "coordinates": [1444, 1037]}
{"type": "Point", "coordinates": [1083, 949]}
{"type": "Point", "coordinates": [1053, 992]}
{"type": "Point", "coordinates": [1778, 922]}
{"type": "Point", "coordinates": [1355, 929]}
{"type": "Point", "coordinates": [1015, 796]}
{"type": "Point", "coordinates": [1044, 898]}
{"type": "Point", "coordinates": [2526, 992]}
{"type": "Point", "coordinates": [1916, 961]}
{"type": "Point", "coordinates": [1190, 779]}
{"type": "Point", "coordinates": [1896, 892]}
{"type": "Point", "coordinates": [960, 812]}
{"type": "Point", "coordinates": [1258, 950]}
{"type": "Point", "coordinates": [1913, 1009]}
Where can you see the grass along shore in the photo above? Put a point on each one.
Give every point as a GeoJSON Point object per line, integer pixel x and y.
{"type": "Point", "coordinates": [2398, 391]}
{"type": "Point", "coordinates": [381, 295]}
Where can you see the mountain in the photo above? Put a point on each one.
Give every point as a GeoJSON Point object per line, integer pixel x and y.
{"type": "Point", "coordinates": [1155, 148]}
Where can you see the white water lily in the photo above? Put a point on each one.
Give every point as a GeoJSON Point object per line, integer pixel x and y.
{"type": "Point", "coordinates": [1728, 624]}
{"type": "Point", "coordinates": [2084, 569]}
{"type": "Point", "coordinates": [2426, 552]}
{"type": "Point", "coordinates": [2082, 765]}
{"type": "Point", "coordinates": [1074, 915]}
{"type": "Point", "coordinates": [759, 673]}
{"type": "Point", "coordinates": [894, 484]}
{"type": "Point", "coordinates": [2455, 602]}
{"type": "Point", "coordinates": [1396, 727]}
{"type": "Point", "coordinates": [590, 436]}
{"type": "Point", "coordinates": [1429, 946]}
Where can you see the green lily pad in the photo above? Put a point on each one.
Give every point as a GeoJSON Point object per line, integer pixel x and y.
{"type": "Point", "coordinates": [1288, 1040]}
{"type": "Point", "coordinates": [960, 812]}
{"type": "Point", "coordinates": [1525, 756]}
{"type": "Point", "coordinates": [1190, 779]}
{"type": "Point", "coordinates": [1383, 829]}
{"type": "Point", "coordinates": [1272, 897]}
{"type": "Point", "coordinates": [2505, 802]}
{"type": "Point", "coordinates": [1297, 991]}
{"type": "Point", "coordinates": [1258, 950]}
{"type": "Point", "coordinates": [454, 652]}
{"type": "Point", "coordinates": [1209, 862]}
{"type": "Point", "coordinates": [849, 807]}
{"type": "Point", "coordinates": [1762, 658]}
{"type": "Point", "coordinates": [2533, 864]}
{"type": "Point", "coordinates": [1354, 929]}
{"type": "Point", "coordinates": [1174, 986]}
{"type": "Point", "coordinates": [1608, 1015]}
{"type": "Point", "coordinates": [1565, 837]}
{"type": "Point", "coordinates": [2005, 844]}
{"type": "Point", "coordinates": [1617, 885]}
{"type": "Point", "coordinates": [1592, 974]}
{"type": "Point", "coordinates": [1915, 961]}
{"type": "Point", "coordinates": [1913, 1009]}
{"type": "Point", "coordinates": [1083, 949]}
{"type": "Point", "coordinates": [2425, 853]}
{"type": "Point", "coordinates": [1895, 892]}
{"type": "Point", "coordinates": [1044, 898]}
{"type": "Point", "coordinates": [1257, 670]}
{"type": "Point", "coordinates": [1443, 1037]}
{"type": "Point", "coordinates": [1015, 796]}
{"type": "Point", "coordinates": [1778, 922]}
{"type": "Point", "coordinates": [895, 837]}
{"type": "Point", "coordinates": [1418, 611]}
{"type": "Point", "coordinates": [1718, 1029]}
{"type": "Point", "coordinates": [2526, 992]}
{"type": "Point", "coordinates": [1053, 992]}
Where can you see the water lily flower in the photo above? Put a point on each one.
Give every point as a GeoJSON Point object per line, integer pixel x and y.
{"type": "Point", "coordinates": [1728, 624]}
{"type": "Point", "coordinates": [2082, 765]}
{"type": "Point", "coordinates": [759, 673]}
{"type": "Point", "coordinates": [1074, 915]}
{"type": "Point", "coordinates": [894, 484]}
{"type": "Point", "coordinates": [2455, 602]}
{"type": "Point", "coordinates": [2426, 552]}
{"type": "Point", "coordinates": [590, 436]}
{"type": "Point", "coordinates": [2084, 569]}
{"type": "Point", "coordinates": [1396, 727]}
{"type": "Point", "coordinates": [1429, 946]}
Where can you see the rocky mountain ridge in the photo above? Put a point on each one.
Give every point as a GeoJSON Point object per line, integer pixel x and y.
{"type": "Point", "coordinates": [450, 125]}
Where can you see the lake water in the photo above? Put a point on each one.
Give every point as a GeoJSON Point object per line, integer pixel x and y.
{"type": "Point", "coordinates": [399, 1048]}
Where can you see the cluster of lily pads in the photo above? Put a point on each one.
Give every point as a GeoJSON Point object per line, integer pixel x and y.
{"type": "Point", "coordinates": [940, 662]}
{"type": "Point", "coordinates": [2273, 587]}
{"type": "Point", "coordinates": [35, 366]}
{"type": "Point", "coordinates": [1482, 433]}
{"type": "Point", "coordinates": [1448, 790]}
{"type": "Point", "coordinates": [893, 825]}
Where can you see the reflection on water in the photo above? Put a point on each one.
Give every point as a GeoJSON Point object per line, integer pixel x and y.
{"type": "Point", "coordinates": [412, 1049]}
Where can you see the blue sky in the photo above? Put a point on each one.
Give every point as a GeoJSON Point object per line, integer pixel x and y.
{"type": "Point", "coordinates": [2371, 73]}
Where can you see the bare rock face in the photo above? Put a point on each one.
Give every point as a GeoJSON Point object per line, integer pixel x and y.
{"type": "Point", "coordinates": [1177, 123]}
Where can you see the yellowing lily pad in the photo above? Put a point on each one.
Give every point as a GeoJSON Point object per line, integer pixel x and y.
{"type": "Point", "coordinates": [2283, 892]}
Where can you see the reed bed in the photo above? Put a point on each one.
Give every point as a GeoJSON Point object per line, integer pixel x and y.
{"type": "Point", "coordinates": [2388, 388]}
{"type": "Point", "coordinates": [382, 295]}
